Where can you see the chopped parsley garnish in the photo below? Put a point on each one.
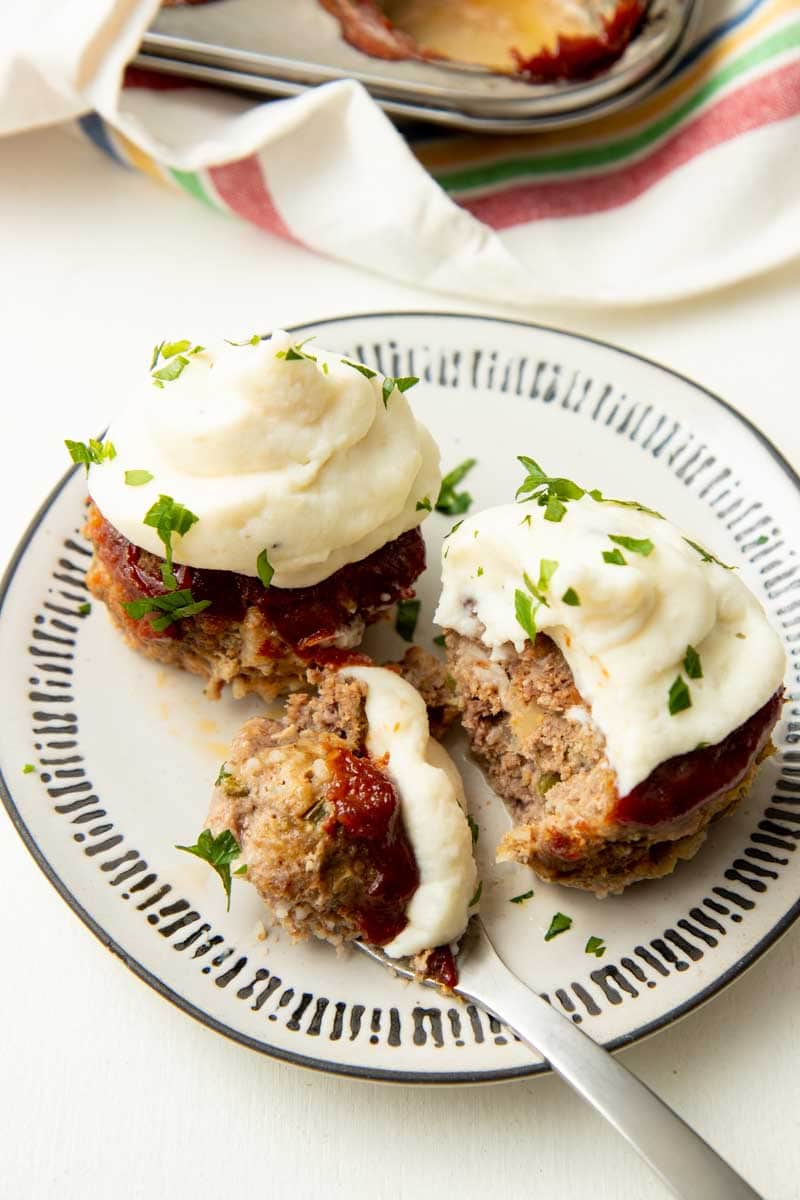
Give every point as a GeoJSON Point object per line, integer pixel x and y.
{"type": "Point", "coordinates": [522, 897]}
{"type": "Point", "coordinates": [679, 696]}
{"type": "Point", "coordinates": [402, 385]}
{"type": "Point", "coordinates": [479, 572]}
{"type": "Point", "coordinates": [92, 452]}
{"type": "Point", "coordinates": [526, 520]}
{"type": "Point", "coordinates": [525, 612]}
{"type": "Point", "coordinates": [706, 555]}
{"type": "Point", "coordinates": [166, 516]}
{"type": "Point", "coordinates": [28, 769]}
{"type": "Point", "coordinates": [595, 946]}
{"type": "Point", "coordinates": [175, 606]}
{"type": "Point", "coordinates": [547, 780]}
{"type": "Point", "coordinates": [367, 372]}
{"type": "Point", "coordinates": [405, 621]}
{"type": "Point", "coordinates": [424, 505]}
{"type": "Point", "coordinates": [571, 597]}
{"type": "Point", "coordinates": [452, 530]}
{"type": "Point", "coordinates": [176, 357]}
{"type": "Point", "coordinates": [251, 341]}
{"type": "Point", "coordinates": [219, 852]}
{"type": "Point", "coordinates": [222, 775]}
{"type": "Point", "coordinates": [137, 478]}
{"type": "Point", "coordinates": [242, 870]}
{"type": "Point", "coordinates": [477, 895]}
{"type": "Point", "coordinates": [474, 829]}
{"type": "Point", "coordinates": [265, 569]}
{"type": "Point", "coordinates": [439, 640]}
{"type": "Point", "coordinates": [615, 557]}
{"type": "Point", "coordinates": [84, 609]}
{"type": "Point", "coordinates": [761, 540]}
{"type": "Point", "coordinates": [559, 924]}
{"type": "Point", "coordinates": [641, 546]}
{"type": "Point", "coordinates": [296, 353]}
{"type": "Point", "coordinates": [551, 492]}
{"type": "Point", "coordinates": [449, 500]}
{"type": "Point", "coordinates": [691, 663]}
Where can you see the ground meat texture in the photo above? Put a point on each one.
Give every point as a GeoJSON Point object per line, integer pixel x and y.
{"type": "Point", "coordinates": [253, 638]}
{"type": "Point", "coordinates": [533, 734]}
{"type": "Point", "coordinates": [319, 823]}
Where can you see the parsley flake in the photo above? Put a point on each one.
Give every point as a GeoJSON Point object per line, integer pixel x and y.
{"type": "Point", "coordinates": [450, 532]}
{"type": "Point", "coordinates": [137, 478]}
{"type": "Point", "coordinates": [679, 696]}
{"type": "Point", "coordinates": [251, 341]}
{"type": "Point", "coordinates": [84, 609]}
{"type": "Point", "coordinates": [571, 597]}
{"type": "Point", "coordinates": [242, 870]}
{"type": "Point", "coordinates": [166, 516]}
{"type": "Point", "coordinates": [367, 372]}
{"type": "Point", "coordinates": [761, 540]}
{"type": "Point", "coordinates": [522, 897]}
{"type": "Point", "coordinates": [474, 829]}
{"type": "Point", "coordinates": [389, 384]}
{"type": "Point", "coordinates": [222, 775]}
{"type": "Point", "coordinates": [405, 621]}
{"type": "Point", "coordinates": [554, 510]}
{"type": "Point", "coordinates": [424, 505]}
{"type": "Point", "coordinates": [641, 546]}
{"type": "Point", "coordinates": [449, 500]}
{"type": "Point", "coordinates": [176, 357]}
{"type": "Point", "coordinates": [706, 555]}
{"type": "Point", "coordinates": [691, 663]}
{"type": "Point", "coordinates": [479, 572]}
{"type": "Point", "coordinates": [615, 557]}
{"type": "Point", "coordinates": [559, 924]}
{"type": "Point", "coordinates": [95, 452]}
{"type": "Point", "coordinates": [265, 569]}
{"type": "Point", "coordinates": [477, 896]}
{"type": "Point", "coordinates": [175, 606]}
{"type": "Point", "coordinates": [595, 946]}
{"type": "Point", "coordinates": [28, 769]}
{"type": "Point", "coordinates": [439, 640]}
{"type": "Point", "coordinates": [525, 612]}
{"type": "Point", "coordinates": [219, 852]}
{"type": "Point", "coordinates": [296, 353]}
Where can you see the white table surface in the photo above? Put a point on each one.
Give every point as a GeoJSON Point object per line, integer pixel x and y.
{"type": "Point", "coordinates": [106, 1089]}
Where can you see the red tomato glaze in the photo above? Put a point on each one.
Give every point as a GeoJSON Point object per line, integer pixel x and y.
{"type": "Point", "coordinates": [679, 784]}
{"type": "Point", "coordinates": [367, 811]}
{"type": "Point", "coordinates": [441, 967]}
{"type": "Point", "coordinates": [303, 617]}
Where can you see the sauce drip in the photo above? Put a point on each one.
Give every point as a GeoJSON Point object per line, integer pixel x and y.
{"type": "Point", "coordinates": [302, 617]}
{"type": "Point", "coordinates": [441, 967]}
{"type": "Point", "coordinates": [367, 811]}
{"type": "Point", "coordinates": [679, 784]}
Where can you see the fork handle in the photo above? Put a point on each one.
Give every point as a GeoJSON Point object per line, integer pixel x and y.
{"type": "Point", "coordinates": [686, 1164]}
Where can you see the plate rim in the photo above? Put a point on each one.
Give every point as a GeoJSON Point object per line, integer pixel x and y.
{"type": "Point", "coordinates": [354, 1071]}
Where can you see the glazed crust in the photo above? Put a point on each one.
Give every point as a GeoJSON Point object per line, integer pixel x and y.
{"type": "Point", "coordinates": [254, 643]}
{"type": "Point", "coordinates": [530, 729]}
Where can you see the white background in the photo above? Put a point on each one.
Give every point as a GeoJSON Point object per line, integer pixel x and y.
{"type": "Point", "coordinates": [105, 1089]}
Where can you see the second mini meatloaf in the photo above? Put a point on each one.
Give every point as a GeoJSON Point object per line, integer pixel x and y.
{"type": "Point", "coordinates": [619, 683]}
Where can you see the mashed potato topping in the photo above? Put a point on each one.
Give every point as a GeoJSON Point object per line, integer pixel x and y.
{"type": "Point", "coordinates": [668, 648]}
{"type": "Point", "coordinates": [293, 453]}
{"type": "Point", "coordinates": [432, 799]}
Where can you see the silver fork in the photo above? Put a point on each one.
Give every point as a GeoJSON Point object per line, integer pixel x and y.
{"type": "Point", "coordinates": [679, 1156]}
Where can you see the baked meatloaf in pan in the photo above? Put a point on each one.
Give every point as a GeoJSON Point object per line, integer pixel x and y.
{"type": "Point", "coordinates": [501, 65]}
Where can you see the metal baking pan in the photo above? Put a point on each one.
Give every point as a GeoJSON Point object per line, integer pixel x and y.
{"type": "Point", "coordinates": [283, 47]}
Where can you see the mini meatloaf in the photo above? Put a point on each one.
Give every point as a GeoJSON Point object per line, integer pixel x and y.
{"type": "Point", "coordinates": [333, 841]}
{"type": "Point", "coordinates": [253, 638]}
{"type": "Point", "coordinates": [535, 737]}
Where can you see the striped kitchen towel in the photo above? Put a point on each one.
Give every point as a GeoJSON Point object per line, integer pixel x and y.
{"type": "Point", "coordinates": [694, 187]}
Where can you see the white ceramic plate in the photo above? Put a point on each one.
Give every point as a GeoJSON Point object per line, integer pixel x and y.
{"type": "Point", "coordinates": [125, 751]}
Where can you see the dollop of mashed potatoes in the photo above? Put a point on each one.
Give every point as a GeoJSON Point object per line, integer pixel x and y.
{"type": "Point", "coordinates": [292, 452]}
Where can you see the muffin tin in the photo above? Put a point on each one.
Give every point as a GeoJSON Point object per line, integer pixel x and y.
{"type": "Point", "coordinates": [287, 46]}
